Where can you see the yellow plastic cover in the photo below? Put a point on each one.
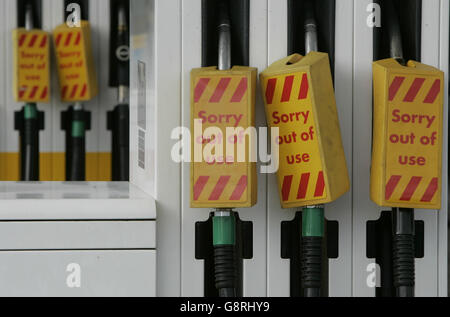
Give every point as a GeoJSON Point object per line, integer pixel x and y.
{"type": "Point", "coordinates": [407, 138]}
{"type": "Point", "coordinates": [222, 99]}
{"type": "Point", "coordinates": [31, 69]}
{"type": "Point", "coordinates": [299, 97]}
{"type": "Point", "coordinates": [75, 62]}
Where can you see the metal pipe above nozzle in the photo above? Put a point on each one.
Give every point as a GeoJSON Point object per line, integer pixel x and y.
{"type": "Point", "coordinates": [29, 23]}
{"type": "Point", "coordinates": [122, 19]}
{"type": "Point", "coordinates": [311, 42]}
{"type": "Point", "coordinates": [123, 95]}
{"type": "Point", "coordinates": [311, 37]}
{"type": "Point", "coordinates": [78, 106]}
{"type": "Point", "coordinates": [395, 35]}
{"type": "Point", "coordinates": [224, 30]}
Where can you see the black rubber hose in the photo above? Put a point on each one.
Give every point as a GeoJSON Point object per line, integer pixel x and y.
{"type": "Point", "coordinates": [121, 144]}
{"type": "Point", "coordinates": [225, 269]}
{"type": "Point", "coordinates": [311, 266]}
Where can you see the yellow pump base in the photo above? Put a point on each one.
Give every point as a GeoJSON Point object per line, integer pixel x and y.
{"type": "Point", "coordinates": [221, 100]}
{"type": "Point", "coordinates": [31, 68]}
{"type": "Point", "coordinates": [407, 138]}
{"type": "Point", "coordinates": [75, 62]}
{"type": "Point", "coordinates": [299, 98]}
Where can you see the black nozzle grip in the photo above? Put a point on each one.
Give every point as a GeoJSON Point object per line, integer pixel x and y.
{"type": "Point", "coordinates": [311, 270]}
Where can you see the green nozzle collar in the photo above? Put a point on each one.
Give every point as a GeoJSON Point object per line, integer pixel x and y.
{"type": "Point", "coordinates": [78, 129]}
{"type": "Point", "coordinates": [30, 111]}
{"type": "Point", "coordinates": [313, 222]}
{"type": "Point", "coordinates": [224, 230]}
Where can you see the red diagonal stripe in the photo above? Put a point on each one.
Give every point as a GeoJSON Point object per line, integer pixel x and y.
{"type": "Point", "coordinates": [304, 88]}
{"type": "Point", "coordinates": [199, 186]}
{"type": "Point", "coordinates": [44, 93]}
{"type": "Point", "coordinates": [320, 187]}
{"type": "Point", "coordinates": [391, 186]}
{"type": "Point", "coordinates": [240, 91]}
{"type": "Point", "coordinates": [434, 92]}
{"type": "Point", "coordinates": [43, 41]}
{"type": "Point", "coordinates": [270, 90]}
{"type": "Point", "coordinates": [34, 91]}
{"type": "Point", "coordinates": [78, 39]}
{"type": "Point", "coordinates": [303, 188]}
{"type": "Point", "coordinates": [431, 191]}
{"type": "Point", "coordinates": [74, 91]}
{"type": "Point", "coordinates": [22, 39]}
{"type": "Point", "coordinates": [68, 38]}
{"type": "Point", "coordinates": [83, 91]}
{"type": "Point", "coordinates": [200, 88]}
{"type": "Point", "coordinates": [240, 188]}
{"type": "Point", "coordinates": [33, 40]}
{"type": "Point", "coordinates": [288, 82]}
{"type": "Point", "coordinates": [411, 188]}
{"type": "Point", "coordinates": [395, 86]}
{"type": "Point", "coordinates": [58, 39]}
{"type": "Point", "coordinates": [414, 90]}
{"type": "Point", "coordinates": [286, 189]}
{"type": "Point", "coordinates": [220, 90]}
{"type": "Point", "coordinates": [220, 187]}
{"type": "Point", "coordinates": [64, 92]}
{"type": "Point", "coordinates": [22, 91]}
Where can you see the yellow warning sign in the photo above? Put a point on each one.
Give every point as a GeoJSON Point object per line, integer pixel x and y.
{"type": "Point", "coordinates": [300, 101]}
{"type": "Point", "coordinates": [223, 175]}
{"type": "Point", "coordinates": [75, 62]}
{"type": "Point", "coordinates": [31, 66]}
{"type": "Point", "coordinates": [407, 155]}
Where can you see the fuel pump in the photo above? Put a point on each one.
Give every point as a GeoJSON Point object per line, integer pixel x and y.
{"type": "Point", "coordinates": [78, 83]}
{"type": "Point", "coordinates": [31, 85]}
{"type": "Point", "coordinates": [223, 99]}
{"type": "Point", "coordinates": [299, 98]}
{"type": "Point", "coordinates": [407, 148]}
{"type": "Point", "coordinates": [119, 118]}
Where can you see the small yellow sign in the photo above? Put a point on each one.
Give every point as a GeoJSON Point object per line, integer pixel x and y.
{"type": "Point", "coordinates": [75, 62]}
{"type": "Point", "coordinates": [407, 155]}
{"type": "Point", "coordinates": [31, 66]}
{"type": "Point", "coordinates": [300, 101]}
{"type": "Point", "coordinates": [221, 100]}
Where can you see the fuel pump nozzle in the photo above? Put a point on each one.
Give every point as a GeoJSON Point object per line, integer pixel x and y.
{"type": "Point", "coordinates": [30, 130]}
{"type": "Point", "coordinates": [119, 118]}
{"type": "Point", "coordinates": [76, 147]}
{"type": "Point", "coordinates": [403, 254]}
{"type": "Point", "coordinates": [224, 221]}
{"type": "Point", "coordinates": [313, 217]}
